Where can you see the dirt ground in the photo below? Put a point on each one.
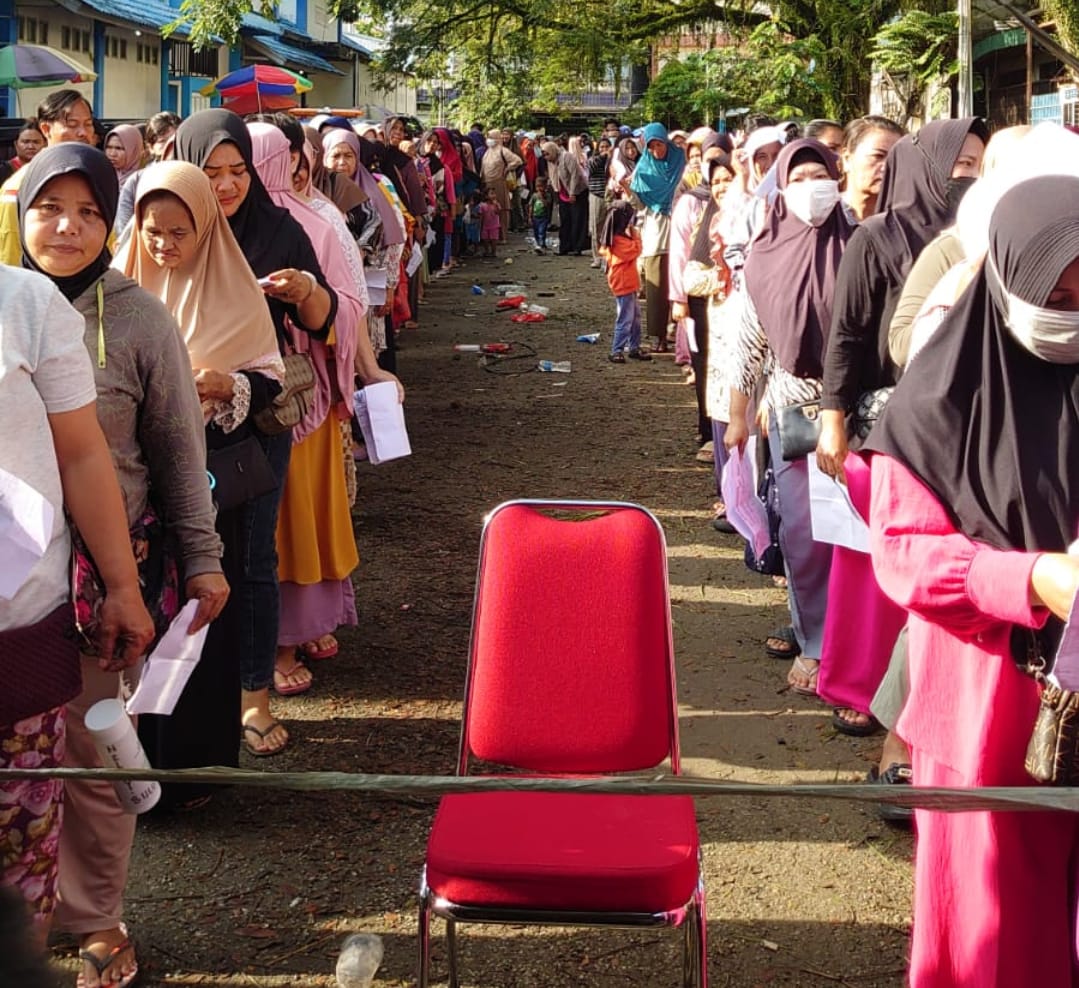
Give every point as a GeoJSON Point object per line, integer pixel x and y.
{"type": "Point", "coordinates": [259, 889]}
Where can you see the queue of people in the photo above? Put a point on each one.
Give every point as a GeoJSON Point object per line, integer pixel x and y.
{"type": "Point", "coordinates": [155, 358]}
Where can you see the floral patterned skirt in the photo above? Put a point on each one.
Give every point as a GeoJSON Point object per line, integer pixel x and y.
{"type": "Point", "coordinates": [31, 811]}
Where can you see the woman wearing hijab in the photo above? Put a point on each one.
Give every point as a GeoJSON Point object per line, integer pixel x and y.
{"type": "Point", "coordinates": [790, 278]}
{"type": "Point", "coordinates": [124, 148]}
{"type": "Point", "coordinates": [686, 219]}
{"type": "Point", "coordinates": [298, 297]}
{"type": "Point", "coordinates": [148, 409]}
{"type": "Point", "coordinates": [496, 167]}
{"type": "Point", "coordinates": [316, 545]}
{"type": "Point", "coordinates": [440, 154]}
{"type": "Point", "coordinates": [975, 466]}
{"type": "Point", "coordinates": [652, 189]}
{"type": "Point", "coordinates": [569, 180]}
{"type": "Point", "coordinates": [623, 161]}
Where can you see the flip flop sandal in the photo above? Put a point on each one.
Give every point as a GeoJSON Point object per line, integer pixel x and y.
{"type": "Point", "coordinates": [291, 689]}
{"type": "Point", "coordinates": [896, 774]}
{"type": "Point", "coordinates": [811, 689]}
{"type": "Point", "coordinates": [855, 729]}
{"type": "Point", "coordinates": [101, 964]}
{"type": "Point", "coordinates": [261, 735]}
{"type": "Point", "coordinates": [316, 652]}
{"type": "Point", "coordinates": [793, 649]}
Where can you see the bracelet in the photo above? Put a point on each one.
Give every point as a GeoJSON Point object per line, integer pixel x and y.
{"type": "Point", "coordinates": [314, 284]}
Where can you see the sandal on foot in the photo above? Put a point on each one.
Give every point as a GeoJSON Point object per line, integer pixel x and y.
{"type": "Point", "coordinates": [616, 358]}
{"type": "Point", "coordinates": [896, 774]}
{"type": "Point", "coordinates": [811, 674]}
{"type": "Point", "coordinates": [639, 355]}
{"type": "Point", "coordinates": [790, 648]}
{"type": "Point", "coordinates": [855, 728]}
{"type": "Point", "coordinates": [312, 649]}
{"type": "Point", "coordinates": [252, 749]}
{"type": "Point", "coordinates": [281, 680]}
{"type": "Point", "coordinates": [102, 964]}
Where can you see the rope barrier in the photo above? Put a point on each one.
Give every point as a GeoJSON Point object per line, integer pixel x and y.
{"type": "Point", "coordinates": [1013, 798]}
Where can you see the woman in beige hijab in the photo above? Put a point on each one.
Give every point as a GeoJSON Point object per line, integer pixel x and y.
{"type": "Point", "coordinates": [183, 251]}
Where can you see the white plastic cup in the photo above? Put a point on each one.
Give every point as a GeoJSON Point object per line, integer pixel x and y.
{"type": "Point", "coordinates": [361, 955]}
{"type": "Point", "coordinates": [119, 747]}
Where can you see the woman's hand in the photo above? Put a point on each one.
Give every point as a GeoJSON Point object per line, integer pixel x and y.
{"type": "Point", "coordinates": [212, 591]}
{"type": "Point", "coordinates": [736, 434]}
{"type": "Point", "coordinates": [1054, 581]}
{"type": "Point", "coordinates": [679, 310]}
{"type": "Point", "coordinates": [832, 445]}
{"type": "Point", "coordinates": [375, 376]}
{"type": "Point", "coordinates": [125, 629]}
{"type": "Point", "coordinates": [213, 385]}
{"type": "Point", "coordinates": [290, 285]}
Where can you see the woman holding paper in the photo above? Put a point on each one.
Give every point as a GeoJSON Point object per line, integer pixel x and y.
{"type": "Point", "coordinates": [787, 303]}
{"type": "Point", "coordinates": [315, 540]}
{"type": "Point", "coordinates": [975, 501]}
{"type": "Point", "coordinates": [149, 411]}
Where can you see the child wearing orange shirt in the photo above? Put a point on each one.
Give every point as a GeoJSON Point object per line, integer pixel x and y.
{"type": "Point", "coordinates": [620, 246]}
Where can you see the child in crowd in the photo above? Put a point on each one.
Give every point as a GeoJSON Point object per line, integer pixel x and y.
{"type": "Point", "coordinates": [490, 223]}
{"type": "Point", "coordinates": [541, 205]}
{"type": "Point", "coordinates": [620, 246]}
{"type": "Point", "coordinates": [472, 223]}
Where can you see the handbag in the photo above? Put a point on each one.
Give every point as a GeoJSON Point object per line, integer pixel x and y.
{"type": "Point", "coordinates": [799, 429]}
{"type": "Point", "coordinates": [40, 666]}
{"type": "Point", "coordinates": [867, 410]}
{"type": "Point", "coordinates": [240, 473]}
{"type": "Point", "coordinates": [294, 400]}
{"type": "Point", "coordinates": [1053, 750]}
{"type": "Point", "coordinates": [159, 580]}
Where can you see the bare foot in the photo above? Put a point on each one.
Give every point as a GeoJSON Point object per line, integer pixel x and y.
{"type": "Point", "coordinates": [108, 958]}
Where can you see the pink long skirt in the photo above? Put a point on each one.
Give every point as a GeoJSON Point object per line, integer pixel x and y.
{"type": "Point", "coordinates": [861, 624]}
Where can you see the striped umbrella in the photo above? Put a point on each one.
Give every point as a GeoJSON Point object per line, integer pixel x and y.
{"type": "Point", "coordinates": [259, 87]}
{"type": "Point", "coordinates": [27, 66]}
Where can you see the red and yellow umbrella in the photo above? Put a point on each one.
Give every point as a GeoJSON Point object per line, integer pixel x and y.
{"type": "Point", "coordinates": [255, 88]}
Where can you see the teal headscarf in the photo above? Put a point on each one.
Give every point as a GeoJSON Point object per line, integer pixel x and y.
{"type": "Point", "coordinates": [654, 179]}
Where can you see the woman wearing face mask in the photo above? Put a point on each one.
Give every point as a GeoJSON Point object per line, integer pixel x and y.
{"type": "Point", "coordinates": [975, 467]}
{"type": "Point", "coordinates": [924, 178]}
{"type": "Point", "coordinates": [149, 412]}
{"type": "Point", "coordinates": [790, 279]}
{"type": "Point", "coordinates": [652, 189]}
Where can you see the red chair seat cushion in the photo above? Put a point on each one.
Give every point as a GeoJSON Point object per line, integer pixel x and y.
{"type": "Point", "coordinates": [564, 851]}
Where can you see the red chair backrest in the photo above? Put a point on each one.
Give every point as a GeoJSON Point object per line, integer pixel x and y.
{"type": "Point", "coordinates": [571, 668]}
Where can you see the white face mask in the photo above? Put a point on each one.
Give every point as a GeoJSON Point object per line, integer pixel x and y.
{"type": "Point", "coordinates": [1051, 335]}
{"type": "Point", "coordinates": [812, 201]}
{"type": "Point", "coordinates": [491, 142]}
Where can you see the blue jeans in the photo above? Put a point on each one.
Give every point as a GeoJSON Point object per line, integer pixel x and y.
{"type": "Point", "coordinates": [539, 230]}
{"type": "Point", "coordinates": [257, 598]}
{"type": "Point", "coordinates": [627, 323]}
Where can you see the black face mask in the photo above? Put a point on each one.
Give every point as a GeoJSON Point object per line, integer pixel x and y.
{"type": "Point", "coordinates": [954, 192]}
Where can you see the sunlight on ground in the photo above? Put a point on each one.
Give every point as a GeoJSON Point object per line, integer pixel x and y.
{"type": "Point", "coordinates": [704, 594]}
{"type": "Point", "coordinates": [698, 551]}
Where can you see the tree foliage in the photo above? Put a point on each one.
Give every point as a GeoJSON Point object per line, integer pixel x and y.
{"type": "Point", "coordinates": [915, 51]}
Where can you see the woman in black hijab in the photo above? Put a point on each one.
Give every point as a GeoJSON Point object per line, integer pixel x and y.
{"type": "Point", "coordinates": [276, 247]}
{"type": "Point", "coordinates": [924, 179]}
{"type": "Point", "coordinates": [975, 503]}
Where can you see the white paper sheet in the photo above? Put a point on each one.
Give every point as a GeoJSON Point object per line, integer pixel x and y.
{"type": "Point", "coordinates": [169, 666]}
{"type": "Point", "coordinates": [26, 519]}
{"type": "Point", "coordinates": [376, 285]}
{"type": "Point", "coordinates": [429, 238]}
{"type": "Point", "coordinates": [382, 420]}
{"type": "Point", "coordinates": [835, 519]}
{"type": "Point", "coordinates": [691, 333]}
{"type": "Point", "coordinates": [739, 489]}
{"type": "Point", "coordinates": [415, 259]}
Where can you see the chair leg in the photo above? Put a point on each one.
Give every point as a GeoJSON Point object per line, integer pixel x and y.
{"type": "Point", "coordinates": [425, 940]}
{"type": "Point", "coordinates": [701, 919]}
{"type": "Point", "coordinates": [689, 947]}
{"type": "Point", "coordinates": [451, 951]}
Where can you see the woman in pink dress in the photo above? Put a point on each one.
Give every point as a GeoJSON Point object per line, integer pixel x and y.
{"type": "Point", "coordinates": [975, 501]}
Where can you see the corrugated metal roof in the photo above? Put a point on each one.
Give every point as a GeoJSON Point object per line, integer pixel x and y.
{"type": "Point", "coordinates": [145, 13]}
{"type": "Point", "coordinates": [261, 25]}
{"type": "Point", "coordinates": [291, 57]}
{"type": "Point", "coordinates": [350, 41]}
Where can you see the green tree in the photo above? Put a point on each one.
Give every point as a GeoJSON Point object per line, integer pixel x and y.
{"type": "Point", "coordinates": [916, 50]}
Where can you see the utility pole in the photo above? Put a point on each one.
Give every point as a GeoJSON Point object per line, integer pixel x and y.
{"type": "Point", "coordinates": [966, 59]}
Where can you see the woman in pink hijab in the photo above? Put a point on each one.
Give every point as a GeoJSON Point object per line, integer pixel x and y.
{"type": "Point", "coordinates": [315, 542]}
{"type": "Point", "coordinates": [124, 149]}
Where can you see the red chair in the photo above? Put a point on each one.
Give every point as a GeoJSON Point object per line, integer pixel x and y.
{"type": "Point", "coordinates": [571, 673]}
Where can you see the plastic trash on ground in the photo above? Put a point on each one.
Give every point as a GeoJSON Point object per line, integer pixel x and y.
{"type": "Point", "coordinates": [588, 338]}
{"type": "Point", "coordinates": [554, 366]}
